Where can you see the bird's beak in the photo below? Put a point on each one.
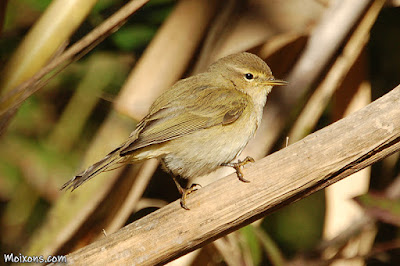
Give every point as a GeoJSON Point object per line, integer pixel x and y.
{"type": "Point", "coordinates": [276, 82]}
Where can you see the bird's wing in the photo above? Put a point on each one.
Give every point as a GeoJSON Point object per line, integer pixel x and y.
{"type": "Point", "coordinates": [207, 107]}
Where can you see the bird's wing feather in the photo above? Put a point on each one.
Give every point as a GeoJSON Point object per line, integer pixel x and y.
{"type": "Point", "coordinates": [187, 115]}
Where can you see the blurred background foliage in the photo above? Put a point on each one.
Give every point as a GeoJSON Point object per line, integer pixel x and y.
{"type": "Point", "coordinates": [45, 142]}
{"type": "Point", "coordinates": [41, 144]}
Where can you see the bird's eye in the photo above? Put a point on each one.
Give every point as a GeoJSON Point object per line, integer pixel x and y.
{"type": "Point", "coordinates": [248, 76]}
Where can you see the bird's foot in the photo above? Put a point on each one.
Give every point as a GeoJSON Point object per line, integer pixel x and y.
{"type": "Point", "coordinates": [238, 167]}
{"type": "Point", "coordinates": [186, 192]}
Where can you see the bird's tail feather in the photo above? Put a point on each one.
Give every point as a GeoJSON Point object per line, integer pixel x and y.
{"type": "Point", "coordinates": [113, 159]}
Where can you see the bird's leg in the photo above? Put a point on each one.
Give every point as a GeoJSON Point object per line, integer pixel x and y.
{"type": "Point", "coordinates": [183, 191]}
{"type": "Point", "coordinates": [178, 185]}
{"type": "Point", "coordinates": [237, 166]}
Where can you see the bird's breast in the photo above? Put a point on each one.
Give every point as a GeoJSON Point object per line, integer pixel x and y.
{"type": "Point", "coordinates": [203, 151]}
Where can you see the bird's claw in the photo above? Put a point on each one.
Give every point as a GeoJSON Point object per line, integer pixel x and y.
{"type": "Point", "coordinates": [185, 193]}
{"type": "Point", "coordinates": [238, 167]}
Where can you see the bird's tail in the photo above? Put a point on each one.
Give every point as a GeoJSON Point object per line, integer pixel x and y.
{"type": "Point", "coordinates": [113, 159]}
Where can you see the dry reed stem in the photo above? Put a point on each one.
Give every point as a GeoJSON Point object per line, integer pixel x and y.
{"type": "Point", "coordinates": [322, 95]}
{"type": "Point", "coordinates": [324, 41]}
{"type": "Point", "coordinates": [290, 174]}
{"type": "Point", "coordinates": [130, 202]}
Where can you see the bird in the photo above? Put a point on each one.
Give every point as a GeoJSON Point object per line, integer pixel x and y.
{"type": "Point", "coordinates": [201, 123]}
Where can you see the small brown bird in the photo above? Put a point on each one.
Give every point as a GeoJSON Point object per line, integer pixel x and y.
{"type": "Point", "coordinates": [199, 124]}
